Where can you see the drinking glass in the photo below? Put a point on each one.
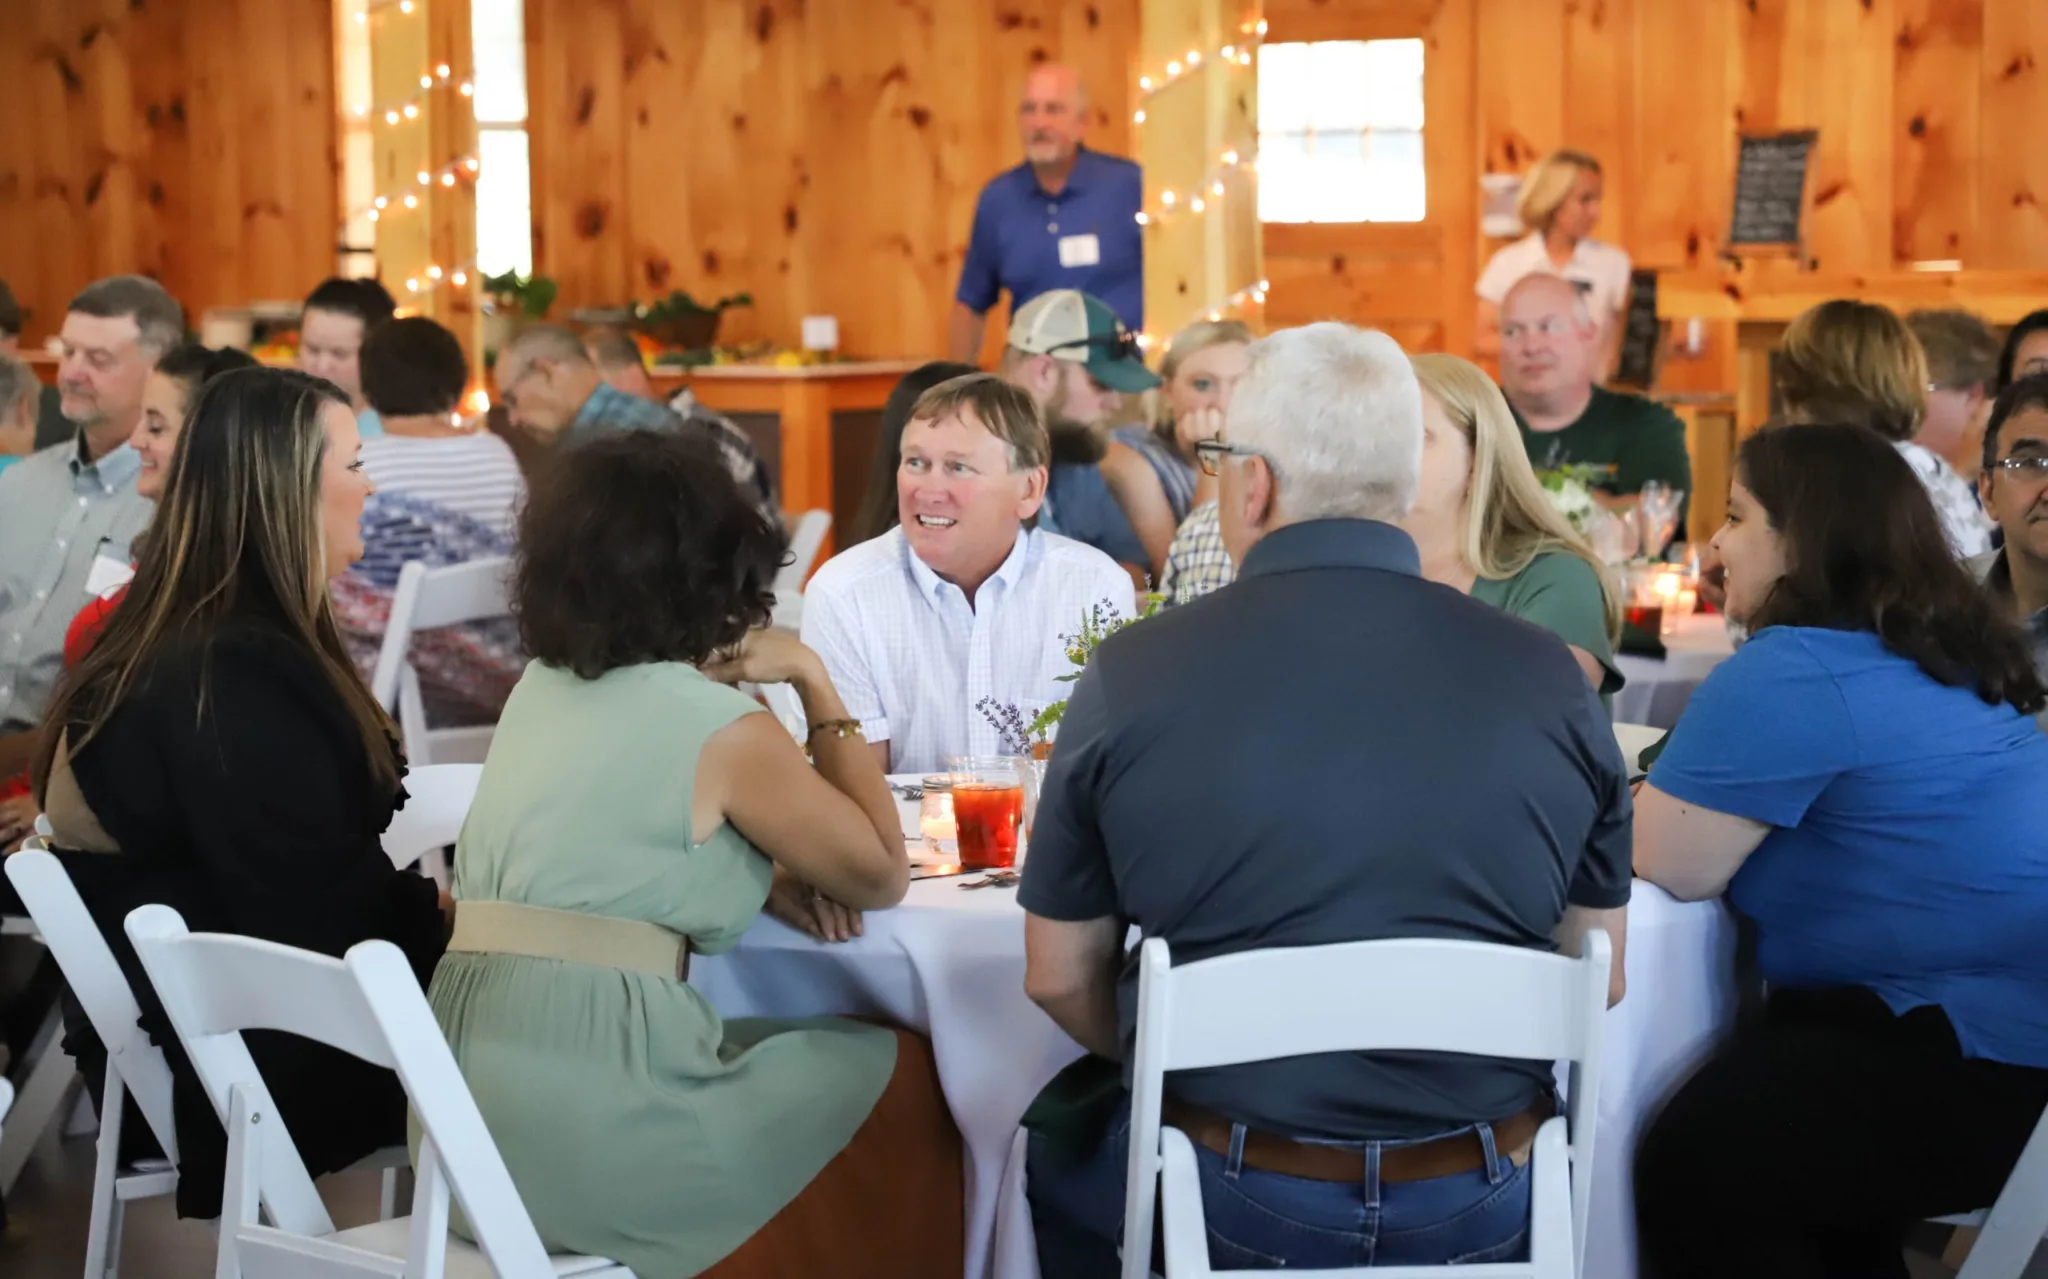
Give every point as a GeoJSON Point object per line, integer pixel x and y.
{"type": "Point", "coordinates": [935, 814]}
{"type": "Point", "coordinates": [1658, 505]}
{"type": "Point", "coordinates": [988, 809]}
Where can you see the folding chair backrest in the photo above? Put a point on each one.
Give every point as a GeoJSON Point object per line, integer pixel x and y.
{"type": "Point", "coordinates": [1424, 995]}
{"type": "Point", "coordinates": [102, 989]}
{"type": "Point", "coordinates": [437, 802]}
{"type": "Point", "coordinates": [427, 598]}
{"type": "Point", "coordinates": [368, 1004]}
{"type": "Point", "coordinates": [805, 540]}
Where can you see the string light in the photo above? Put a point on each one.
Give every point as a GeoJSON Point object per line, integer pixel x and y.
{"type": "Point", "coordinates": [1240, 53]}
{"type": "Point", "coordinates": [408, 108]}
{"type": "Point", "coordinates": [1250, 295]}
{"type": "Point", "coordinates": [1215, 183]}
{"type": "Point", "coordinates": [447, 176]}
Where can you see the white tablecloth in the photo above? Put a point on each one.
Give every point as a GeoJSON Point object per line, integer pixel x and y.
{"type": "Point", "coordinates": [950, 964]}
{"type": "Point", "coordinates": [1658, 688]}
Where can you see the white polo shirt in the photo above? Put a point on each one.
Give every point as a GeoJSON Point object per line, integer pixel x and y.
{"type": "Point", "coordinates": [1603, 268]}
{"type": "Point", "coordinates": [910, 657]}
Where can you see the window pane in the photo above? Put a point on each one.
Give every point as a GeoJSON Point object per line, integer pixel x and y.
{"type": "Point", "coordinates": [504, 209]}
{"type": "Point", "coordinates": [1340, 132]}
{"type": "Point", "coordinates": [498, 28]}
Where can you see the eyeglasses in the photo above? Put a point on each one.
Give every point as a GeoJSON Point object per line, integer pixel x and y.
{"type": "Point", "coordinates": [508, 393]}
{"type": "Point", "coordinates": [1121, 345]}
{"type": "Point", "coordinates": [1209, 454]}
{"type": "Point", "coordinates": [2034, 467]}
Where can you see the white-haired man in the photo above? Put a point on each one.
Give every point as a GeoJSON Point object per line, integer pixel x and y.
{"type": "Point", "coordinates": [1332, 750]}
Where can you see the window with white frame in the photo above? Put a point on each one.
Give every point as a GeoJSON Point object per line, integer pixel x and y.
{"type": "Point", "coordinates": [1340, 132]}
{"type": "Point", "coordinates": [504, 194]}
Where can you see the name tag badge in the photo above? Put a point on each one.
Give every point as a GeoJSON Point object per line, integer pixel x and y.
{"type": "Point", "coordinates": [109, 573]}
{"type": "Point", "coordinates": [1080, 250]}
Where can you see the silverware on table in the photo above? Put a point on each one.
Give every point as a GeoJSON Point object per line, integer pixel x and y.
{"type": "Point", "coordinates": [994, 879]}
{"type": "Point", "coordinates": [907, 792]}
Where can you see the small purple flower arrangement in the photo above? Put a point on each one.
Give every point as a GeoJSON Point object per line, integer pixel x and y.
{"type": "Point", "coordinates": [1033, 737]}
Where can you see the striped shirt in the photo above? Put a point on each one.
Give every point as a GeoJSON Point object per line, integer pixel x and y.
{"type": "Point", "coordinates": [911, 657]}
{"type": "Point", "coordinates": [472, 475]}
{"type": "Point", "coordinates": [1176, 476]}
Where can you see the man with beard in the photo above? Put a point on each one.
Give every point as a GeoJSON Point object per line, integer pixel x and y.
{"type": "Point", "coordinates": [1071, 355]}
{"type": "Point", "coordinates": [1065, 218]}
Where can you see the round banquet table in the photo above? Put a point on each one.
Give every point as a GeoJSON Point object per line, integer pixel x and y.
{"type": "Point", "coordinates": [1659, 687]}
{"type": "Point", "coordinates": [949, 964]}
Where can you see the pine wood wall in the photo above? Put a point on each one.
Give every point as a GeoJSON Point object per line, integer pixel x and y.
{"type": "Point", "coordinates": [824, 155]}
{"type": "Point", "coordinates": [193, 140]}
{"type": "Point", "coordinates": [1926, 111]}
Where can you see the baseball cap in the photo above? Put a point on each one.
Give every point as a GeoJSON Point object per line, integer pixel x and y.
{"type": "Point", "coordinates": [1070, 325]}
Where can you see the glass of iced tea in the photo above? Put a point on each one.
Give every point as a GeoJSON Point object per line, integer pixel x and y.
{"type": "Point", "coordinates": [988, 811]}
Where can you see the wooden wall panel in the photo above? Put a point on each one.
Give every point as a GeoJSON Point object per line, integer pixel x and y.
{"type": "Point", "coordinates": [193, 140]}
{"type": "Point", "coordinates": [2012, 169]}
{"type": "Point", "coordinates": [822, 155]}
{"type": "Point", "coordinates": [1682, 144]}
{"type": "Point", "coordinates": [1936, 141]}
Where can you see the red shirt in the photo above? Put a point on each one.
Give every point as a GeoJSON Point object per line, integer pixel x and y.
{"type": "Point", "coordinates": [84, 632]}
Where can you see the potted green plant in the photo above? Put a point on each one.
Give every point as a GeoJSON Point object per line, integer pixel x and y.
{"type": "Point", "coordinates": [681, 321]}
{"type": "Point", "coordinates": [511, 302]}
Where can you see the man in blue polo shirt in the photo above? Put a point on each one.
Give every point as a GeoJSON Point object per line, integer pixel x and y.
{"type": "Point", "coordinates": [1067, 218]}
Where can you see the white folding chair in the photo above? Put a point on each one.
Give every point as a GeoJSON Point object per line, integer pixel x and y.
{"type": "Point", "coordinates": [135, 1066]}
{"type": "Point", "coordinates": [428, 598]}
{"type": "Point", "coordinates": [1416, 995]}
{"type": "Point", "coordinates": [6, 1098]}
{"type": "Point", "coordinates": [806, 538]}
{"type": "Point", "coordinates": [437, 800]}
{"type": "Point", "coordinates": [368, 1004]}
{"type": "Point", "coordinates": [2012, 1228]}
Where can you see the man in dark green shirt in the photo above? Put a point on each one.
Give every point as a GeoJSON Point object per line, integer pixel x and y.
{"type": "Point", "coordinates": [1549, 346]}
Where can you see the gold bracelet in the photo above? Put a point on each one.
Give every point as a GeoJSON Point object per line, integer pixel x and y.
{"type": "Point", "coordinates": [841, 728]}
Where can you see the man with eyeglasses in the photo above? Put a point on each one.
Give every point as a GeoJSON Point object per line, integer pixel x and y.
{"type": "Point", "coordinates": [552, 389]}
{"type": "Point", "coordinates": [2014, 487]}
{"type": "Point", "coordinates": [1070, 353]}
{"type": "Point", "coordinates": [1290, 763]}
{"type": "Point", "coordinates": [1549, 350]}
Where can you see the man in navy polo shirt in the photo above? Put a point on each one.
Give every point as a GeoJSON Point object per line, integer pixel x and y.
{"type": "Point", "coordinates": [1331, 749]}
{"type": "Point", "coordinates": [1067, 218]}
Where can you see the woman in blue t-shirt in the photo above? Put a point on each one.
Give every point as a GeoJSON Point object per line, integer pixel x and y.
{"type": "Point", "coordinates": [1863, 780]}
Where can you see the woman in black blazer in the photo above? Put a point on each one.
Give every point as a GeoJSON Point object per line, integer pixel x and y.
{"type": "Point", "coordinates": [216, 751]}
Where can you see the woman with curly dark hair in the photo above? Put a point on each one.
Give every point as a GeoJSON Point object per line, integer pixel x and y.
{"type": "Point", "coordinates": [1864, 781]}
{"type": "Point", "coordinates": [635, 811]}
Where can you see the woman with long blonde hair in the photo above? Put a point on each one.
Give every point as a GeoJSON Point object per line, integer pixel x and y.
{"type": "Point", "coordinates": [1559, 206]}
{"type": "Point", "coordinates": [217, 751]}
{"type": "Point", "coordinates": [1151, 470]}
{"type": "Point", "coordinates": [1483, 525]}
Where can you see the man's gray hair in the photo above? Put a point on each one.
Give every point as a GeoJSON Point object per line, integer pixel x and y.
{"type": "Point", "coordinates": [155, 312]}
{"type": "Point", "coordinates": [546, 342]}
{"type": "Point", "coordinates": [1337, 412]}
{"type": "Point", "coordinates": [17, 382]}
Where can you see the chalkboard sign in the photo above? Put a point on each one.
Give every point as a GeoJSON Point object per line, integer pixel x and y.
{"type": "Point", "coordinates": [1770, 189]}
{"type": "Point", "coordinates": [1640, 333]}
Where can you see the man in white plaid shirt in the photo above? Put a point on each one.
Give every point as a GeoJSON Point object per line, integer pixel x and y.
{"type": "Point", "coordinates": [964, 601]}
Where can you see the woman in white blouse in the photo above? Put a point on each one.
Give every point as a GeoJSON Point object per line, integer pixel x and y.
{"type": "Point", "coordinates": [1559, 206]}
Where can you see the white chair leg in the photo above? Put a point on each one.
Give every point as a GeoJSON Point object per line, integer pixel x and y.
{"type": "Point", "coordinates": [387, 1195]}
{"type": "Point", "coordinates": [115, 1223]}
{"type": "Point", "coordinates": [102, 1247]}
{"type": "Point", "coordinates": [40, 1102]}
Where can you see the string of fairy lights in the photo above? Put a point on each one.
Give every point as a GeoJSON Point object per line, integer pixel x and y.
{"type": "Point", "coordinates": [437, 84]}
{"type": "Point", "coordinates": [1230, 166]}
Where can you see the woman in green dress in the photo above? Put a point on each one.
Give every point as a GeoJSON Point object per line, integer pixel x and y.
{"type": "Point", "coordinates": [634, 810]}
{"type": "Point", "coordinates": [1483, 525]}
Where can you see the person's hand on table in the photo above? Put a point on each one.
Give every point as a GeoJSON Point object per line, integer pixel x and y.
{"type": "Point", "coordinates": [765, 656]}
{"type": "Point", "coordinates": [802, 907]}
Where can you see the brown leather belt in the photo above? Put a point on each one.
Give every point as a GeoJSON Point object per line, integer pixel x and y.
{"type": "Point", "coordinates": [1415, 1161]}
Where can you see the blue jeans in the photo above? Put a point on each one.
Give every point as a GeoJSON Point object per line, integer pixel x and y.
{"type": "Point", "coordinates": [1264, 1221]}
